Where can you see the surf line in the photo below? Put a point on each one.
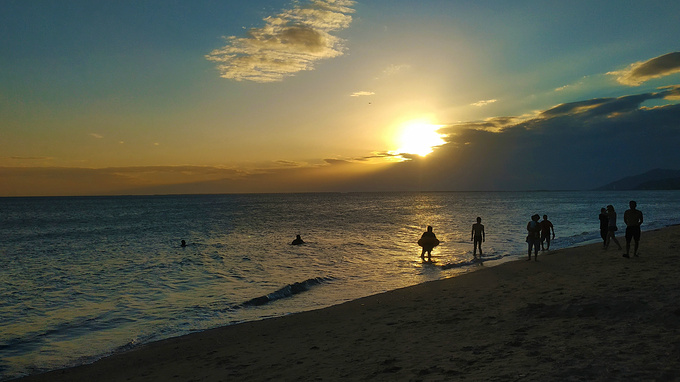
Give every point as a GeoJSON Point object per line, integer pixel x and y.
{"type": "Point", "coordinates": [287, 291]}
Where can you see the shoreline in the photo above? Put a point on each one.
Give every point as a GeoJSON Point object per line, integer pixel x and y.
{"type": "Point", "coordinates": [580, 313]}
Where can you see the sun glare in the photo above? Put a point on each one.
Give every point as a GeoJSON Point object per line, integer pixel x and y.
{"type": "Point", "coordinates": [419, 138]}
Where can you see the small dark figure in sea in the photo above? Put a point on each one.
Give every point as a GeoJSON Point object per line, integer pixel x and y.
{"type": "Point", "coordinates": [428, 241]}
{"type": "Point", "coordinates": [546, 226]}
{"type": "Point", "coordinates": [477, 237]}
{"type": "Point", "coordinates": [298, 240]}
{"type": "Point", "coordinates": [534, 236]}
{"type": "Point", "coordinates": [604, 226]}
{"type": "Point", "coordinates": [184, 243]}
{"type": "Point", "coordinates": [633, 220]}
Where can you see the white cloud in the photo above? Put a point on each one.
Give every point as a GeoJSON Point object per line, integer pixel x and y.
{"type": "Point", "coordinates": [395, 69]}
{"type": "Point", "coordinates": [94, 135]}
{"type": "Point", "coordinates": [289, 42]}
{"type": "Point", "coordinates": [483, 102]}
{"type": "Point", "coordinates": [362, 94]}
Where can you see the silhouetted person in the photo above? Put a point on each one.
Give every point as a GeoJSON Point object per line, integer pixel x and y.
{"type": "Point", "coordinates": [546, 226]}
{"type": "Point", "coordinates": [428, 244]}
{"type": "Point", "coordinates": [534, 236]}
{"type": "Point", "coordinates": [298, 240]}
{"type": "Point", "coordinates": [633, 220]}
{"type": "Point", "coordinates": [184, 243]}
{"type": "Point", "coordinates": [477, 237]}
{"type": "Point", "coordinates": [612, 228]}
{"type": "Point", "coordinates": [604, 226]}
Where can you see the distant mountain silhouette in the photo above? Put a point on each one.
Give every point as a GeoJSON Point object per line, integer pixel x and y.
{"type": "Point", "coordinates": [657, 179]}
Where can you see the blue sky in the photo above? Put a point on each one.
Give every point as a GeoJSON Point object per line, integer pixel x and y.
{"type": "Point", "coordinates": [129, 96]}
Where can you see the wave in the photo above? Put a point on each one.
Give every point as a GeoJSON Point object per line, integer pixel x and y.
{"type": "Point", "coordinates": [471, 262]}
{"type": "Point", "coordinates": [287, 291]}
{"type": "Point", "coordinates": [67, 329]}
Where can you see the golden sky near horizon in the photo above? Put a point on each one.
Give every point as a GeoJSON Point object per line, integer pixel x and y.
{"type": "Point", "coordinates": [280, 96]}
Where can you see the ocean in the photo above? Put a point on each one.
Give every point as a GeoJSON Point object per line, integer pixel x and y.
{"type": "Point", "coordinates": [86, 277]}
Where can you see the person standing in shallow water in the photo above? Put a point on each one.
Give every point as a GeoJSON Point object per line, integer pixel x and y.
{"type": "Point", "coordinates": [612, 228]}
{"type": "Point", "coordinates": [534, 236]}
{"type": "Point", "coordinates": [633, 220]}
{"type": "Point", "coordinates": [477, 237]}
{"type": "Point", "coordinates": [427, 248]}
{"type": "Point", "coordinates": [604, 226]}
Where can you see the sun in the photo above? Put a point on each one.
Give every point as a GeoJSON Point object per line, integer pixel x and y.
{"type": "Point", "coordinates": [418, 138]}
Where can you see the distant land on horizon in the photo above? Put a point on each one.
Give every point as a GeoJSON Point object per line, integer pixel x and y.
{"type": "Point", "coordinates": [657, 179]}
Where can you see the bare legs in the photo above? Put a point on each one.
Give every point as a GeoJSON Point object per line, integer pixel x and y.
{"type": "Point", "coordinates": [611, 235]}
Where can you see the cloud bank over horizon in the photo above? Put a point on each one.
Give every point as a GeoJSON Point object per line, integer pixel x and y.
{"type": "Point", "coordinates": [290, 42]}
{"type": "Point", "coordinates": [577, 145]}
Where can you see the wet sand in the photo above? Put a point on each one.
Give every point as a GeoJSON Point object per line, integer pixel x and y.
{"type": "Point", "coordinates": [578, 314]}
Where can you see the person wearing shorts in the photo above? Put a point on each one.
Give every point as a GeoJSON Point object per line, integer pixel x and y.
{"type": "Point", "coordinates": [546, 227]}
{"type": "Point", "coordinates": [633, 219]}
{"type": "Point", "coordinates": [534, 236]}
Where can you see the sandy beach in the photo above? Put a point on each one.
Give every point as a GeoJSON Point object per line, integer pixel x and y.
{"type": "Point", "coordinates": [578, 314]}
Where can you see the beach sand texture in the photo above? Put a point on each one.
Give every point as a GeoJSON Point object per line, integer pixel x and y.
{"type": "Point", "coordinates": [579, 314]}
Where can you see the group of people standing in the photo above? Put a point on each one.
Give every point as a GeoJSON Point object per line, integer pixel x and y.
{"type": "Point", "coordinates": [538, 234]}
{"type": "Point", "coordinates": [632, 218]}
{"type": "Point", "coordinates": [541, 232]}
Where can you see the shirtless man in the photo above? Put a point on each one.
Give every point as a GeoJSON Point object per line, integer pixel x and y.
{"type": "Point", "coordinates": [546, 226]}
{"type": "Point", "coordinates": [633, 220]}
{"type": "Point", "coordinates": [478, 236]}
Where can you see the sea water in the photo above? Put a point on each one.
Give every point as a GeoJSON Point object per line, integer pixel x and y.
{"type": "Point", "coordinates": [85, 277]}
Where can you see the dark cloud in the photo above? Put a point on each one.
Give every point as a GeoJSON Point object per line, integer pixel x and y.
{"type": "Point", "coordinates": [657, 67]}
{"type": "Point", "coordinates": [578, 145]}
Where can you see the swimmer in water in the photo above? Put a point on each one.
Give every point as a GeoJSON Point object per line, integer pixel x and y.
{"type": "Point", "coordinates": [298, 240]}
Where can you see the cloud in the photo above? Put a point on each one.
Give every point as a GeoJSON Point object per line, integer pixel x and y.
{"type": "Point", "coordinates": [291, 41]}
{"type": "Point", "coordinates": [657, 67]}
{"type": "Point", "coordinates": [361, 94]}
{"type": "Point", "coordinates": [29, 158]}
{"type": "Point", "coordinates": [395, 69]}
{"type": "Point", "coordinates": [578, 145]}
{"type": "Point", "coordinates": [57, 181]}
{"type": "Point", "coordinates": [94, 135]}
{"type": "Point", "coordinates": [483, 103]}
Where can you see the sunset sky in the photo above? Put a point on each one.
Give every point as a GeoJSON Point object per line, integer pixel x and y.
{"type": "Point", "coordinates": [208, 96]}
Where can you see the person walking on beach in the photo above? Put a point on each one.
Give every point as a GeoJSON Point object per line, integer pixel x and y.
{"type": "Point", "coordinates": [477, 237]}
{"type": "Point", "coordinates": [633, 220]}
{"type": "Point", "coordinates": [604, 226]}
{"type": "Point", "coordinates": [428, 241]}
{"type": "Point", "coordinates": [612, 228]}
{"type": "Point", "coordinates": [534, 236]}
{"type": "Point", "coordinates": [546, 226]}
